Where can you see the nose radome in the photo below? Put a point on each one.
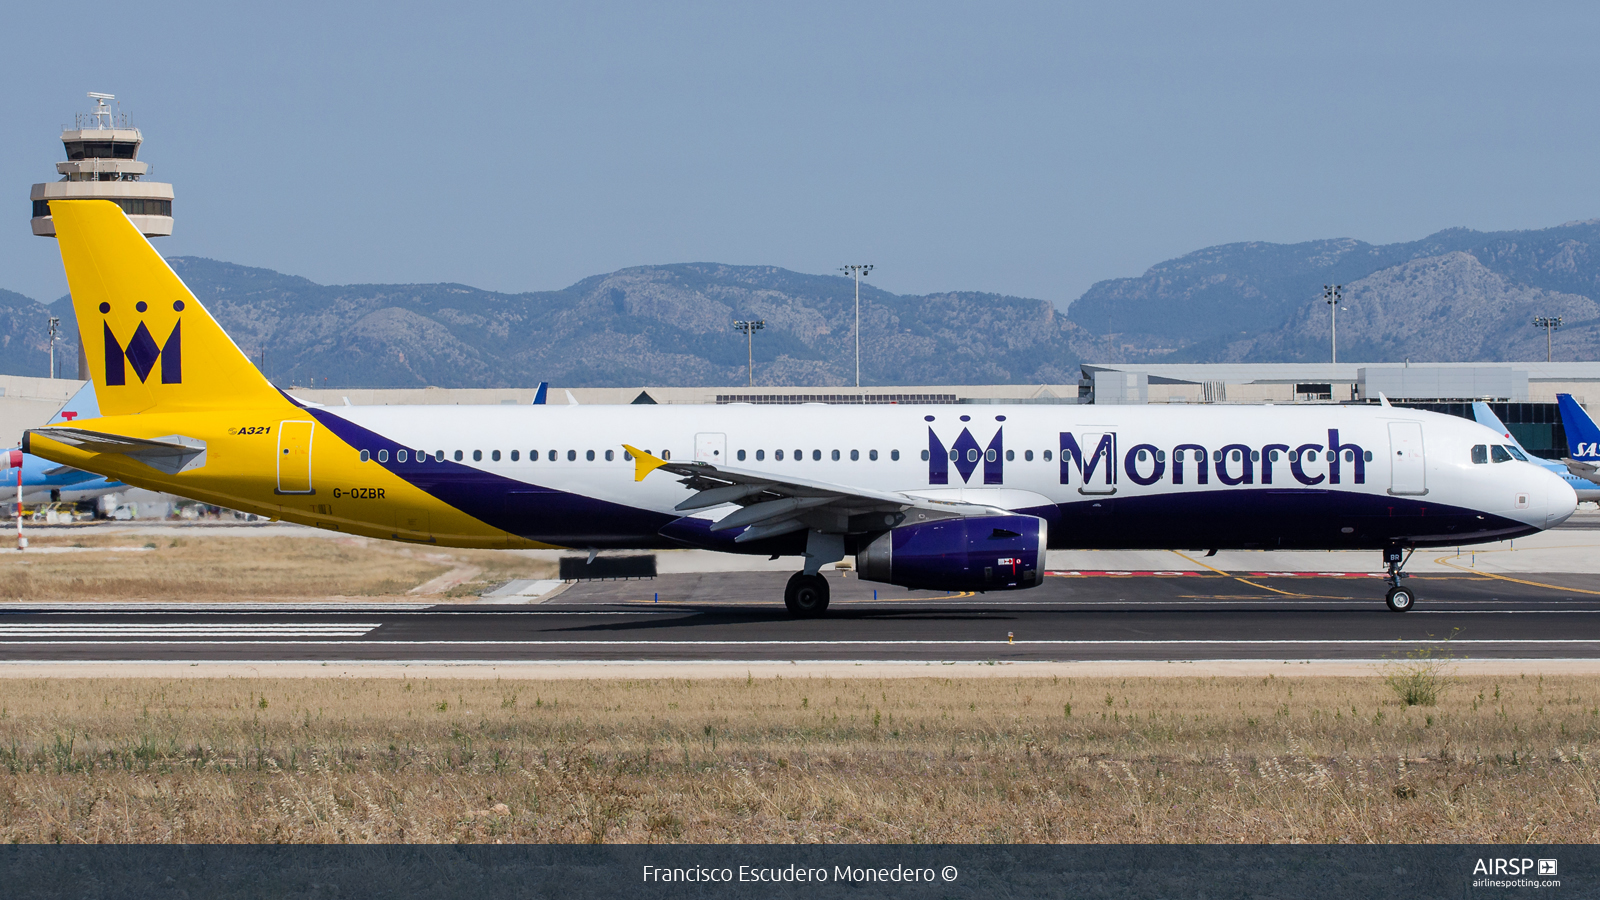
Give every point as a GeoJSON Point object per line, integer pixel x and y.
{"type": "Point", "coordinates": [1561, 501]}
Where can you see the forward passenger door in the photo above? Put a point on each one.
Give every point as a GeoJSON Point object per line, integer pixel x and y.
{"type": "Point", "coordinates": [1408, 470]}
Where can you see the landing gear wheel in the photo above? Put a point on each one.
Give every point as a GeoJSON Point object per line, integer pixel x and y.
{"type": "Point", "coordinates": [1395, 557]}
{"type": "Point", "coordinates": [806, 596]}
{"type": "Point", "coordinates": [1400, 599]}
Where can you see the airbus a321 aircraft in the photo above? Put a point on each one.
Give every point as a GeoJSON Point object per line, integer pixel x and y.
{"type": "Point", "coordinates": [938, 497]}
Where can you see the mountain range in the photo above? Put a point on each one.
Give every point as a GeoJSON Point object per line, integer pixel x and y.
{"type": "Point", "coordinates": [1458, 295]}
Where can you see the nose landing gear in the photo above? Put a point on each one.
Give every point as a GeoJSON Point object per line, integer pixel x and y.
{"type": "Point", "coordinates": [1399, 599]}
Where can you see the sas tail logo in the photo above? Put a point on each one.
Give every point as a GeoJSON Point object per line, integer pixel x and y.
{"type": "Point", "coordinates": [1587, 451]}
{"type": "Point", "coordinates": [142, 352]}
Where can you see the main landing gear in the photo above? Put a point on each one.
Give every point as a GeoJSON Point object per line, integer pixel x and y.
{"type": "Point", "coordinates": [806, 596]}
{"type": "Point", "coordinates": [1399, 599]}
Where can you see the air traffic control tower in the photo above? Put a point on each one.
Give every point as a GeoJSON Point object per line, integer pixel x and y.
{"type": "Point", "coordinates": [103, 164]}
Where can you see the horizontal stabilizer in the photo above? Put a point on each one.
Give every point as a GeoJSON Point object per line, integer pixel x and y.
{"type": "Point", "coordinates": [171, 454]}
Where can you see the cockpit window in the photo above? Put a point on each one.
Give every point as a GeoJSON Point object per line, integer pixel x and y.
{"type": "Point", "coordinates": [1500, 454]}
{"type": "Point", "coordinates": [1480, 454]}
{"type": "Point", "coordinates": [1517, 453]}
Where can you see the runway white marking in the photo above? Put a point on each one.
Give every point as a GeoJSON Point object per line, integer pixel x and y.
{"type": "Point", "coordinates": [188, 629]}
{"type": "Point", "coordinates": [805, 643]}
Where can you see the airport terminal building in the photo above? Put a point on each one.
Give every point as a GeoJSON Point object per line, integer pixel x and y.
{"type": "Point", "coordinates": [1523, 394]}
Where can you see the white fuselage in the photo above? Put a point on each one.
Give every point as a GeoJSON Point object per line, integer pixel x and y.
{"type": "Point", "coordinates": [1110, 475]}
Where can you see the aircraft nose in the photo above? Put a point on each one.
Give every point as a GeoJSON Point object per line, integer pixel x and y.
{"type": "Point", "coordinates": [1561, 501]}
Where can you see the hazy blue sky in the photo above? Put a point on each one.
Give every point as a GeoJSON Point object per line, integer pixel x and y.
{"type": "Point", "coordinates": [1031, 149]}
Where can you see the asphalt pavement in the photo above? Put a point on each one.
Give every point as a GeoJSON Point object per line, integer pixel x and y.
{"type": "Point", "coordinates": [739, 616]}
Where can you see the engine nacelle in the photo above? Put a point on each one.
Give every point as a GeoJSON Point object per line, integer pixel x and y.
{"type": "Point", "coordinates": [983, 553]}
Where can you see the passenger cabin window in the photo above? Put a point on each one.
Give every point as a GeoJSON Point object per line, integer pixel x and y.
{"type": "Point", "coordinates": [495, 456]}
{"type": "Point", "coordinates": [458, 456]}
{"type": "Point", "coordinates": [399, 456]}
{"type": "Point", "coordinates": [589, 455]}
{"type": "Point", "coordinates": [741, 456]}
{"type": "Point", "coordinates": [855, 455]}
{"type": "Point", "coordinates": [383, 456]}
{"type": "Point", "coordinates": [762, 454]}
{"type": "Point", "coordinates": [835, 456]}
{"type": "Point", "coordinates": [776, 454]}
{"type": "Point", "coordinates": [1499, 454]}
{"type": "Point", "coordinates": [365, 456]}
{"type": "Point", "coordinates": [924, 456]}
{"type": "Point", "coordinates": [572, 456]}
{"type": "Point", "coordinates": [872, 455]}
{"type": "Point", "coordinates": [611, 455]}
{"type": "Point", "coordinates": [1047, 456]}
{"type": "Point", "coordinates": [894, 455]}
{"type": "Point", "coordinates": [477, 456]}
{"type": "Point", "coordinates": [1027, 456]}
{"type": "Point", "coordinates": [514, 455]}
{"type": "Point", "coordinates": [550, 455]}
{"type": "Point", "coordinates": [816, 456]}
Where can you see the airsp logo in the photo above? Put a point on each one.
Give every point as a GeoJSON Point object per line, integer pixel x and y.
{"type": "Point", "coordinates": [142, 352]}
{"type": "Point", "coordinates": [1503, 866]}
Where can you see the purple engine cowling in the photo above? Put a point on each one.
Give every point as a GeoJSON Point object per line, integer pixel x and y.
{"type": "Point", "coordinates": [983, 553]}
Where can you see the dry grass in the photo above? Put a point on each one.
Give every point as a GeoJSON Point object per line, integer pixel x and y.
{"type": "Point", "coordinates": [222, 568]}
{"type": "Point", "coordinates": [1139, 760]}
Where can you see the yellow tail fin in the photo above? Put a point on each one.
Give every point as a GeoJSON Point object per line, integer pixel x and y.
{"type": "Point", "coordinates": [151, 346]}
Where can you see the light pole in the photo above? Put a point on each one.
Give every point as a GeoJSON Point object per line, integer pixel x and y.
{"type": "Point", "coordinates": [1333, 295]}
{"type": "Point", "coordinates": [858, 272]}
{"type": "Point", "coordinates": [749, 329]}
{"type": "Point", "coordinates": [53, 323]}
{"type": "Point", "coordinates": [1551, 325]}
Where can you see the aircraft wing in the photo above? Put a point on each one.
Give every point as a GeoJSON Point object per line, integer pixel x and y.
{"type": "Point", "coordinates": [771, 505]}
{"type": "Point", "coordinates": [1586, 470]}
{"type": "Point", "coordinates": [171, 454]}
{"type": "Point", "coordinates": [73, 473]}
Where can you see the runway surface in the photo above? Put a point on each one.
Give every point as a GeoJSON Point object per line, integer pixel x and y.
{"type": "Point", "coordinates": [739, 616]}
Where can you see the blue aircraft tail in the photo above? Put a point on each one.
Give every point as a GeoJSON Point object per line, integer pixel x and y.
{"type": "Point", "coordinates": [538, 398]}
{"type": "Point", "coordinates": [83, 405]}
{"type": "Point", "coordinates": [1486, 417]}
{"type": "Point", "coordinates": [1583, 436]}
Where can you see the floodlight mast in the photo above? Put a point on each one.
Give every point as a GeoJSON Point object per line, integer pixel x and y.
{"type": "Point", "coordinates": [749, 328]}
{"type": "Point", "coordinates": [54, 325]}
{"type": "Point", "coordinates": [857, 271]}
{"type": "Point", "coordinates": [1551, 325]}
{"type": "Point", "coordinates": [1333, 295]}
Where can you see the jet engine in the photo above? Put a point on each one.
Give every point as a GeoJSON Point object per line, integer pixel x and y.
{"type": "Point", "coordinates": [982, 553]}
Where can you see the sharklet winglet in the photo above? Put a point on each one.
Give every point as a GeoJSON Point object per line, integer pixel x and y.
{"type": "Point", "coordinates": [643, 463]}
